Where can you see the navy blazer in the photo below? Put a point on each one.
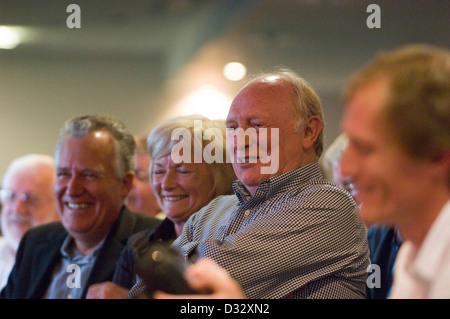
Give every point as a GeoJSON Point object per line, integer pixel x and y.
{"type": "Point", "coordinates": [39, 253]}
{"type": "Point", "coordinates": [384, 243]}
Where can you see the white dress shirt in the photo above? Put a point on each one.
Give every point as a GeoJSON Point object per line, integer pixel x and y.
{"type": "Point", "coordinates": [7, 259]}
{"type": "Point", "coordinates": [425, 273]}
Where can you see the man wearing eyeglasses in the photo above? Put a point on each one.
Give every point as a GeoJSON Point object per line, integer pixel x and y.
{"type": "Point", "coordinates": [27, 201]}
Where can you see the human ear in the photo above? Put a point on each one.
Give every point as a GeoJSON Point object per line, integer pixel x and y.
{"type": "Point", "coordinates": [440, 166]}
{"type": "Point", "coordinates": [312, 131]}
{"type": "Point", "coordinates": [127, 183]}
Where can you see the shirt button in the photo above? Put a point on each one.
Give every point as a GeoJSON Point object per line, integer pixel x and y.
{"type": "Point", "coordinates": [246, 213]}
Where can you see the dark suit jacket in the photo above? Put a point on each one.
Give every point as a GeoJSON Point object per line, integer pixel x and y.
{"type": "Point", "coordinates": [384, 243]}
{"type": "Point", "coordinates": [39, 253]}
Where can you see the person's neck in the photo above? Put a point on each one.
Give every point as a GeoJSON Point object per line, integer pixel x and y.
{"type": "Point", "coordinates": [179, 228]}
{"type": "Point", "coordinates": [85, 247]}
{"type": "Point", "coordinates": [415, 229]}
{"type": "Point", "coordinates": [306, 161]}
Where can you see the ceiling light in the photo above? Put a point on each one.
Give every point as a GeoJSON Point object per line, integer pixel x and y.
{"type": "Point", "coordinates": [234, 71]}
{"type": "Point", "coordinates": [207, 101]}
{"type": "Point", "coordinates": [9, 37]}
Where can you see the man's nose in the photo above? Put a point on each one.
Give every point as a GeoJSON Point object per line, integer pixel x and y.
{"type": "Point", "coordinates": [74, 186]}
{"type": "Point", "coordinates": [19, 205]}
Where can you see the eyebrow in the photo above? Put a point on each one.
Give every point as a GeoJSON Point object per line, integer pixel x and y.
{"type": "Point", "coordinates": [172, 165]}
{"type": "Point", "coordinates": [83, 170]}
{"type": "Point", "coordinates": [89, 170]}
{"type": "Point", "coordinates": [158, 164]}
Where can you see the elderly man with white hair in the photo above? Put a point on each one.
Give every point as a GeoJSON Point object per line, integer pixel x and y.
{"type": "Point", "coordinates": [27, 201]}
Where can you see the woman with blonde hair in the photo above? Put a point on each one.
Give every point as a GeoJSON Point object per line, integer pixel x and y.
{"type": "Point", "coordinates": [182, 182]}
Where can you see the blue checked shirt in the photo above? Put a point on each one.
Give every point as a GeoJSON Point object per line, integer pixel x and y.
{"type": "Point", "coordinates": [298, 237]}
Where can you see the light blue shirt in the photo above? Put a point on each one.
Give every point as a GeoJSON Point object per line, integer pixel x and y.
{"type": "Point", "coordinates": [71, 275]}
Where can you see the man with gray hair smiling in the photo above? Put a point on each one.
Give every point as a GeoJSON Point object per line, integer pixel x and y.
{"type": "Point", "coordinates": [94, 173]}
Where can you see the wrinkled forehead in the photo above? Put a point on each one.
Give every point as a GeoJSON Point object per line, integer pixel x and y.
{"type": "Point", "coordinates": [93, 150]}
{"type": "Point", "coordinates": [263, 97]}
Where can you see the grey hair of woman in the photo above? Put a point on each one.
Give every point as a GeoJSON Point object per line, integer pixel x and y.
{"type": "Point", "coordinates": [160, 143]}
{"type": "Point", "coordinates": [84, 125]}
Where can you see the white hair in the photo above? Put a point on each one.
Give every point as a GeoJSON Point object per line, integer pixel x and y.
{"type": "Point", "coordinates": [26, 162]}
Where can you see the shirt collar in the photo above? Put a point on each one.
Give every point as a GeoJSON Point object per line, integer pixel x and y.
{"type": "Point", "coordinates": [164, 232]}
{"type": "Point", "coordinates": [67, 249]}
{"type": "Point", "coordinates": [434, 246]}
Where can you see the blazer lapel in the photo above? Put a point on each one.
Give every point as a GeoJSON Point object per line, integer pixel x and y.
{"type": "Point", "coordinates": [109, 254]}
{"type": "Point", "coordinates": [46, 257]}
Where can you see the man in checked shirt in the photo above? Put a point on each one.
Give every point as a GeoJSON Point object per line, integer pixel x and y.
{"type": "Point", "coordinates": [288, 233]}
{"type": "Point", "coordinates": [393, 104]}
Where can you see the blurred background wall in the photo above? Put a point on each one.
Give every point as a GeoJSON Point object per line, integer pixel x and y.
{"type": "Point", "coordinates": [143, 61]}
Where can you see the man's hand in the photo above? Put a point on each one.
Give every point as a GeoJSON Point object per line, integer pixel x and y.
{"type": "Point", "coordinates": [107, 290]}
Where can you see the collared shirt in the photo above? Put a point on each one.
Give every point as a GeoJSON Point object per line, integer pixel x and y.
{"type": "Point", "coordinates": [298, 236]}
{"type": "Point", "coordinates": [425, 272]}
{"type": "Point", "coordinates": [71, 275]}
{"type": "Point", "coordinates": [7, 260]}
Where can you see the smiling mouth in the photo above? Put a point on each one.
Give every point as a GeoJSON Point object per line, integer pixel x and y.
{"type": "Point", "coordinates": [246, 160]}
{"type": "Point", "coordinates": [174, 198]}
{"type": "Point", "coordinates": [77, 206]}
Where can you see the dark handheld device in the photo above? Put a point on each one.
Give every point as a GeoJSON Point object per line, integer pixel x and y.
{"type": "Point", "coordinates": [161, 268]}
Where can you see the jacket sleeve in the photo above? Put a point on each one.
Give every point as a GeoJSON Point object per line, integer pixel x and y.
{"type": "Point", "coordinates": [10, 290]}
